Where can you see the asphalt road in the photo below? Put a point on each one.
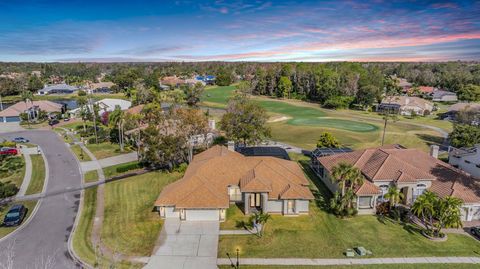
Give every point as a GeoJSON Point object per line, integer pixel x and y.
{"type": "Point", "coordinates": [45, 237]}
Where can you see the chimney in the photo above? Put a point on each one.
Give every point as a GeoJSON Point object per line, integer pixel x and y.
{"type": "Point", "coordinates": [434, 151]}
{"type": "Point", "coordinates": [231, 145]}
{"type": "Point", "coordinates": [211, 124]}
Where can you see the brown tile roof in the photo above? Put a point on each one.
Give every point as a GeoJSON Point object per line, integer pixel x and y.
{"type": "Point", "coordinates": [208, 176]}
{"type": "Point", "coordinates": [410, 101]}
{"type": "Point", "coordinates": [408, 165]}
{"type": "Point", "coordinates": [20, 107]}
{"type": "Point", "coordinates": [367, 188]}
{"type": "Point", "coordinates": [135, 109]}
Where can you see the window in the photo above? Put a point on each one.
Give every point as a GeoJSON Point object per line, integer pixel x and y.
{"type": "Point", "coordinates": [383, 191]}
{"type": "Point", "coordinates": [255, 199]}
{"type": "Point", "coordinates": [365, 202]}
{"type": "Point", "coordinates": [419, 190]}
{"type": "Point", "coordinates": [234, 193]}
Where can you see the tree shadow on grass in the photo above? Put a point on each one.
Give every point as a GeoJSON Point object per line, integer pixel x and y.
{"type": "Point", "coordinates": [431, 139]}
{"type": "Point", "coordinates": [320, 192]}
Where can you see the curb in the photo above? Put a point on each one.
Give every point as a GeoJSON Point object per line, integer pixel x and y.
{"type": "Point", "coordinates": [71, 251]}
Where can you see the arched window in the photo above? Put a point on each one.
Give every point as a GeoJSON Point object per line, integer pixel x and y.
{"type": "Point", "coordinates": [383, 191]}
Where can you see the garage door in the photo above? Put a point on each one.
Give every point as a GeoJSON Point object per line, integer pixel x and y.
{"type": "Point", "coordinates": [197, 214]}
{"type": "Point", "coordinates": [13, 119]}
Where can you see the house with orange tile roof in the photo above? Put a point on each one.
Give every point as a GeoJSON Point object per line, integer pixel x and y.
{"type": "Point", "coordinates": [410, 170]}
{"type": "Point", "coordinates": [219, 177]}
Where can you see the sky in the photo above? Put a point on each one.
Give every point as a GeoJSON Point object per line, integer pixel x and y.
{"type": "Point", "coordinates": [308, 31]}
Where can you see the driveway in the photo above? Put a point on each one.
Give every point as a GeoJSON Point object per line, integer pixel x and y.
{"type": "Point", "coordinates": [186, 245]}
{"type": "Point", "coordinates": [7, 127]}
{"type": "Point", "coordinates": [45, 236]}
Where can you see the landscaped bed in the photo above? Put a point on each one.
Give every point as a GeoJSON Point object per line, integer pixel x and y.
{"type": "Point", "coordinates": [38, 175]}
{"type": "Point", "coordinates": [130, 225]}
{"type": "Point", "coordinates": [323, 235]}
{"type": "Point", "coordinates": [80, 153]}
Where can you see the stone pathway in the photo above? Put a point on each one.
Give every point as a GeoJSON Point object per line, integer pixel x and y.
{"type": "Point", "coordinates": [186, 245]}
{"type": "Point", "coordinates": [358, 261]}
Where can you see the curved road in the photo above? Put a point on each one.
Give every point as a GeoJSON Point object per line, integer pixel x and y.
{"type": "Point", "coordinates": [46, 235]}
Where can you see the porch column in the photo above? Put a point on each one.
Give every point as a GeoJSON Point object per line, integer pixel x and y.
{"type": "Point", "coordinates": [246, 201]}
{"type": "Point", "coordinates": [264, 202]}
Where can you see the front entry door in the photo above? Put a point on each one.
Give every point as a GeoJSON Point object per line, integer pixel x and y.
{"type": "Point", "coordinates": [290, 207]}
{"type": "Point", "coordinates": [256, 201]}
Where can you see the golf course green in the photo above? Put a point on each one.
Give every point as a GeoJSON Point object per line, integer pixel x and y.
{"type": "Point", "coordinates": [295, 115]}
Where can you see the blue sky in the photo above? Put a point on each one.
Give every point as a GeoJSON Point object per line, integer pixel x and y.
{"type": "Point", "coordinates": [376, 30]}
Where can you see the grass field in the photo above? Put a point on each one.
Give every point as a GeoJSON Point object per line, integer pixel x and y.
{"type": "Point", "coordinates": [322, 235]}
{"type": "Point", "coordinates": [105, 150]}
{"type": "Point", "coordinates": [130, 226]}
{"type": "Point", "coordinates": [82, 243]}
{"type": "Point", "coordinates": [90, 176]}
{"type": "Point", "coordinates": [370, 266]}
{"type": "Point", "coordinates": [111, 171]}
{"type": "Point", "coordinates": [30, 205]}
{"type": "Point", "coordinates": [300, 123]}
{"type": "Point", "coordinates": [38, 175]}
{"type": "Point", "coordinates": [81, 155]}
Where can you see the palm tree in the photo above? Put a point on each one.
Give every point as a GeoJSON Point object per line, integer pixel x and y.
{"type": "Point", "coordinates": [117, 118]}
{"type": "Point", "coordinates": [84, 113]}
{"type": "Point", "coordinates": [448, 213]}
{"type": "Point", "coordinates": [424, 207]}
{"type": "Point", "coordinates": [27, 96]}
{"type": "Point", "coordinates": [394, 195]}
{"type": "Point", "coordinates": [341, 174]}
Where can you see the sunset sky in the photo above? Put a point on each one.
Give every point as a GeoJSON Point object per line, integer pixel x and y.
{"type": "Point", "coordinates": [77, 30]}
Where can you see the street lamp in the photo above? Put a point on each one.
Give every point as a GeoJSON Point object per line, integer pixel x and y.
{"type": "Point", "coordinates": [235, 265]}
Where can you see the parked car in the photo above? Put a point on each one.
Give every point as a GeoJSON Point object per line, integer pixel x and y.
{"type": "Point", "coordinates": [53, 122]}
{"type": "Point", "coordinates": [20, 140]}
{"type": "Point", "coordinates": [8, 151]}
{"type": "Point", "coordinates": [15, 215]}
{"type": "Point", "coordinates": [475, 231]}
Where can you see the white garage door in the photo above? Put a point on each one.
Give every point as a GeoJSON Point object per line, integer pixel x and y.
{"type": "Point", "coordinates": [170, 213]}
{"type": "Point", "coordinates": [197, 214]}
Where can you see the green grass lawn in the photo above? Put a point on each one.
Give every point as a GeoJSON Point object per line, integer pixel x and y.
{"type": "Point", "coordinates": [106, 149]}
{"type": "Point", "coordinates": [370, 266]}
{"type": "Point", "coordinates": [17, 176]}
{"type": "Point", "coordinates": [322, 235]}
{"type": "Point", "coordinates": [82, 243]}
{"type": "Point", "coordinates": [130, 226]}
{"type": "Point", "coordinates": [90, 176]}
{"type": "Point", "coordinates": [303, 122]}
{"type": "Point", "coordinates": [30, 205]}
{"type": "Point", "coordinates": [81, 155]}
{"type": "Point", "coordinates": [38, 175]}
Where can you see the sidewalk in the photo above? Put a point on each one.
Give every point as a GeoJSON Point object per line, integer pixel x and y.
{"type": "Point", "coordinates": [358, 261]}
{"type": "Point", "coordinates": [102, 163]}
{"type": "Point", "coordinates": [28, 169]}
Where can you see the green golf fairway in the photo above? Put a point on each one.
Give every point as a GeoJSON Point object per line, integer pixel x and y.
{"type": "Point", "coordinates": [297, 115]}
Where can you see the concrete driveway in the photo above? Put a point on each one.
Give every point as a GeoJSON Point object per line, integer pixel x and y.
{"type": "Point", "coordinates": [8, 127]}
{"type": "Point", "coordinates": [186, 245]}
{"type": "Point", "coordinates": [45, 237]}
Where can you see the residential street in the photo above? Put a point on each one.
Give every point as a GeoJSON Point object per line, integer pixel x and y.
{"type": "Point", "coordinates": [45, 238]}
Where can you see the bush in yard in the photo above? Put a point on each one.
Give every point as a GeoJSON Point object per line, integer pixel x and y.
{"type": "Point", "coordinates": [128, 167]}
{"type": "Point", "coordinates": [181, 168]}
{"type": "Point", "coordinates": [10, 164]}
{"type": "Point", "coordinates": [8, 144]}
{"type": "Point", "coordinates": [7, 189]}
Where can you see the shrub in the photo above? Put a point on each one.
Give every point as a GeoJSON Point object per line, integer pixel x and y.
{"type": "Point", "coordinates": [128, 167]}
{"type": "Point", "coordinates": [338, 102]}
{"type": "Point", "coordinates": [7, 189]}
{"type": "Point", "coordinates": [220, 140]}
{"type": "Point", "coordinates": [181, 168]}
{"type": "Point", "coordinates": [8, 144]}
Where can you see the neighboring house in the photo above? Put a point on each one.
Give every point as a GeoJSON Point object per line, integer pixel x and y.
{"type": "Point", "coordinates": [12, 113]}
{"type": "Point", "coordinates": [193, 81]}
{"type": "Point", "coordinates": [410, 170]}
{"type": "Point", "coordinates": [453, 110]}
{"type": "Point", "coordinates": [444, 96]}
{"type": "Point", "coordinates": [219, 177]}
{"type": "Point", "coordinates": [466, 159]}
{"type": "Point", "coordinates": [106, 105]}
{"type": "Point", "coordinates": [208, 79]}
{"type": "Point", "coordinates": [101, 87]}
{"type": "Point", "coordinates": [403, 83]}
{"type": "Point", "coordinates": [172, 81]}
{"type": "Point", "coordinates": [405, 105]}
{"type": "Point", "coordinates": [57, 89]}
{"type": "Point", "coordinates": [277, 152]}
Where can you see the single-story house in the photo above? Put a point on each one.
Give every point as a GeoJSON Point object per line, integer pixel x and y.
{"type": "Point", "coordinates": [405, 105]}
{"type": "Point", "coordinates": [219, 177]}
{"type": "Point", "coordinates": [453, 110]}
{"type": "Point", "coordinates": [466, 159]}
{"type": "Point", "coordinates": [208, 79]}
{"type": "Point", "coordinates": [410, 170]}
{"type": "Point", "coordinates": [106, 105]}
{"type": "Point", "coordinates": [57, 89]}
{"type": "Point", "coordinates": [101, 87]}
{"type": "Point", "coordinates": [172, 81]}
{"type": "Point", "coordinates": [12, 113]}
{"type": "Point", "coordinates": [444, 96]}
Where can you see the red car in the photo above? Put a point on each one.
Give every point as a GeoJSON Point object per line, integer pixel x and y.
{"type": "Point", "coordinates": [8, 151]}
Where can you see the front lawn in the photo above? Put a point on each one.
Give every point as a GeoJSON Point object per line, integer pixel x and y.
{"type": "Point", "coordinates": [30, 205]}
{"type": "Point", "coordinates": [14, 170]}
{"type": "Point", "coordinates": [90, 176]}
{"type": "Point", "coordinates": [130, 225]}
{"type": "Point", "coordinates": [80, 153]}
{"type": "Point", "coordinates": [106, 149]}
{"type": "Point", "coordinates": [322, 235]}
{"type": "Point", "coordinates": [38, 175]}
